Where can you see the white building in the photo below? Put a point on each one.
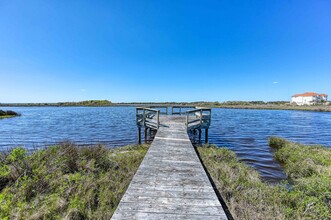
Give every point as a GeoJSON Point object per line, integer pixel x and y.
{"type": "Point", "coordinates": [309, 98]}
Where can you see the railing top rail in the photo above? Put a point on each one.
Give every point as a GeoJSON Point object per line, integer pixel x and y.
{"type": "Point", "coordinates": [151, 109]}
{"type": "Point", "coordinates": [194, 110]}
{"type": "Point", "coordinates": [158, 106]}
{"type": "Point", "coordinates": [147, 108]}
{"type": "Point", "coordinates": [182, 106]}
{"type": "Point", "coordinates": [203, 108]}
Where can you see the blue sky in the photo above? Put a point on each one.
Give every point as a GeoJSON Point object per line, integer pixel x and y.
{"type": "Point", "coordinates": [163, 50]}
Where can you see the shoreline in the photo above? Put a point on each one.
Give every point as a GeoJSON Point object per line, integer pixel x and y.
{"type": "Point", "coordinates": [314, 108]}
{"type": "Point", "coordinates": [7, 116]}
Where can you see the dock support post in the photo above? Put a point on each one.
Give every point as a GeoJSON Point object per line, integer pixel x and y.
{"type": "Point", "coordinates": [199, 135]}
{"type": "Point", "coordinates": [145, 134]}
{"type": "Point", "coordinates": [206, 136]}
{"type": "Point", "coordinates": [139, 135]}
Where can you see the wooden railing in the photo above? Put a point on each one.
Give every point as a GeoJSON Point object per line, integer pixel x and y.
{"type": "Point", "coordinates": [198, 119]}
{"type": "Point", "coordinates": [148, 118]}
{"type": "Point", "coordinates": [160, 107]}
{"type": "Point", "coordinates": [179, 109]}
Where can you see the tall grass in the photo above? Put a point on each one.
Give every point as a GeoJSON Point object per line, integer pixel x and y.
{"type": "Point", "coordinates": [248, 197]}
{"type": "Point", "coordinates": [66, 181]}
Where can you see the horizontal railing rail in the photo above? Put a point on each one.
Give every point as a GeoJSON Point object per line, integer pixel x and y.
{"type": "Point", "coordinates": [148, 117]}
{"type": "Point", "coordinates": [198, 118]}
{"type": "Point", "coordinates": [179, 109]}
{"type": "Point", "coordinates": [163, 109]}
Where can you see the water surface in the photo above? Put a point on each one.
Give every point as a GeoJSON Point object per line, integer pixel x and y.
{"type": "Point", "coordinates": [247, 131]}
{"type": "Point", "coordinates": [244, 131]}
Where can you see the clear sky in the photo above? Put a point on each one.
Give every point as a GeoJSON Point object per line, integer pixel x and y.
{"type": "Point", "coordinates": [163, 50]}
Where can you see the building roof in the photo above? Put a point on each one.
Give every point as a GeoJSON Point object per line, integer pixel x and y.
{"type": "Point", "coordinates": [307, 94]}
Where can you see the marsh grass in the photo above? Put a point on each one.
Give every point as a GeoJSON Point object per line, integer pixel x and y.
{"type": "Point", "coordinates": [301, 160]}
{"type": "Point", "coordinates": [248, 197]}
{"type": "Point", "coordinates": [66, 181]}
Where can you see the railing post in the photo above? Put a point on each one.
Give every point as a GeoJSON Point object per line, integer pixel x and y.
{"type": "Point", "coordinates": [139, 135]}
{"type": "Point", "coordinates": [144, 117]}
{"type": "Point", "coordinates": [137, 116]}
{"type": "Point", "coordinates": [158, 118]}
{"type": "Point", "coordinates": [187, 115]}
{"type": "Point", "coordinates": [206, 136]}
{"type": "Point", "coordinates": [200, 116]}
{"type": "Point", "coordinates": [145, 134]}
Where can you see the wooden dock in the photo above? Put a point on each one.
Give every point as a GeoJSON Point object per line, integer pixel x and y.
{"type": "Point", "coordinates": [170, 182]}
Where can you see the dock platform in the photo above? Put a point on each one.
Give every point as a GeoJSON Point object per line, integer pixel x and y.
{"type": "Point", "coordinates": [170, 183]}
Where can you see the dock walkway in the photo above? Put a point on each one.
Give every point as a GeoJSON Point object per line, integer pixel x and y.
{"type": "Point", "coordinates": [170, 182]}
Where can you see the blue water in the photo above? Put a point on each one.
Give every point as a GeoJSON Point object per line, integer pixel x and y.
{"type": "Point", "coordinates": [244, 131]}
{"type": "Point", "coordinates": [43, 126]}
{"type": "Point", "coordinates": [247, 131]}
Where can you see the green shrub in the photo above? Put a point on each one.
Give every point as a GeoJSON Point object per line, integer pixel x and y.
{"type": "Point", "coordinates": [246, 196]}
{"type": "Point", "coordinates": [66, 181]}
{"type": "Point", "coordinates": [277, 143]}
{"type": "Point", "coordinates": [308, 197]}
{"type": "Point", "coordinates": [303, 161]}
{"type": "Point", "coordinates": [8, 114]}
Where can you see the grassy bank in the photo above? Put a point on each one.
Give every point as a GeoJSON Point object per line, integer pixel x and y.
{"type": "Point", "coordinates": [8, 114]}
{"type": "Point", "coordinates": [66, 181]}
{"type": "Point", "coordinates": [308, 167]}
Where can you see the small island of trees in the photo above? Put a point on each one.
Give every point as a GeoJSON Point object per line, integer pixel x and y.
{"type": "Point", "coordinates": [8, 114]}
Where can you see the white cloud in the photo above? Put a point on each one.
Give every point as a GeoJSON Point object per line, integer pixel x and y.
{"type": "Point", "coordinates": [275, 82]}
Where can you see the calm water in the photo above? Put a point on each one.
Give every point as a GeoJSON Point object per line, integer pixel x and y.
{"type": "Point", "coordinates": [244, 131]}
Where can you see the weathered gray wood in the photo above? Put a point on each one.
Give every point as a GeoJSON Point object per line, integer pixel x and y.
{"type": "Point", "coordinates": [170, 182]}
{"type": "Point", "coordinates": [206, 136]}
{"type": "Point", "coordinates": [139, 135]}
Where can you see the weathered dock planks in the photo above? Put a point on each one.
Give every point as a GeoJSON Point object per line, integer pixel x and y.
{"type": "Point", "coordinates": [170, 182]}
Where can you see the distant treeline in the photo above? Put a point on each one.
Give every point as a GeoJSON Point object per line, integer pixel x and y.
{"type": "Point", "coordinates": [87, 103]}
{"type": "Point", "coordinates": [197, 103]}
{"type": "Point", "coordinates": [254, 103]}
{"type": "Point", "coordinates": [203, 103]}
{"type": "Point", "coordinates": [81, 103]}
{"type": "Point", "coordinates": [276, 105]}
